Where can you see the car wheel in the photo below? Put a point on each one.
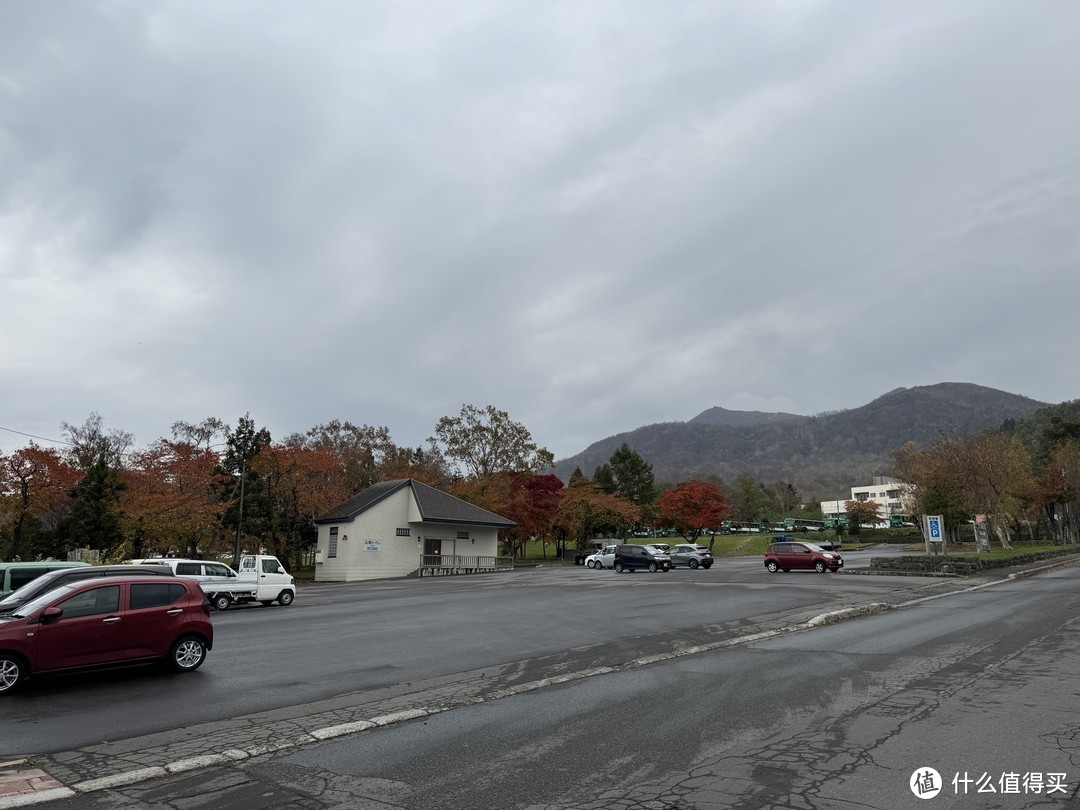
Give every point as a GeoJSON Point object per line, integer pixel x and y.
{"type": "Point", "coordinates": [221, 601]}
{"type": "Point", "coordinates": [187, 654]}
{"type": "Point", "coordinates": [772, 566]}
{"type": "Point", "coordinates": [652, 568]}
{"type": "Point", "coordinates": [285, 598]}
{"type": "Point", "coordinates": [693, 563]}
{"type": "Point", "coordinates": [819, 566]}
{"type": "Point", "coordinates": [13, 672]}
{"type": "Point", "coordinates": [619, 567]}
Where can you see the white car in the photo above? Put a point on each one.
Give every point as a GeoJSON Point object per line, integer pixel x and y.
{"type": "Point", "coordinates": [604, 558]}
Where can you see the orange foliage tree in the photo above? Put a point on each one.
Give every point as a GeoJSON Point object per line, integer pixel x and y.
{"type": "Point", "coordinates": [692, 508]}
{"type": "Point", "coordinates": [300, 483]}
{"type": "Point", "coordinates": [527, 499]}
{"type": "Point", "coordinates": [34, 495]}
{"type": "Point", "coordinates": [172, 502]}
{"type": "Point", "coordinates": [585, 510]}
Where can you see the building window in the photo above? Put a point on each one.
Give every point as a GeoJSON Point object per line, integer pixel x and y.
{"type": "Point", "coordinates": [462, 535]}
{"type": "Point", "coordinates": [403, 532]}
{"type": "Point", "coordinates": [332, 550]}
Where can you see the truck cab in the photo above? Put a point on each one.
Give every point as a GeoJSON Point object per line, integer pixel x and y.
{"type": "Point", "coordinates": [274, 583]}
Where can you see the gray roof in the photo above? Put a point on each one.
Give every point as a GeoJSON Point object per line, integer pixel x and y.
{"type": "Point", "coordinates": [435, 506]}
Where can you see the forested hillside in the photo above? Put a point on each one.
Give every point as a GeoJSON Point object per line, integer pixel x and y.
{"type": "Point", "coordinates": [821, 455]}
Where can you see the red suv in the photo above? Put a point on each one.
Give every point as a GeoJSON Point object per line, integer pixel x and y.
{"type": "Point", "coordinates": [106, 622]}
{"type": "Point", "coordinates": [788, 555]}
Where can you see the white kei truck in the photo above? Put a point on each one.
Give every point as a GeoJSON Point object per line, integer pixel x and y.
{"type": "Point", "coordinates": [260, 578]}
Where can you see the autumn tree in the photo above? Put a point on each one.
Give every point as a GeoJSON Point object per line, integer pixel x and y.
{"type": "Point", "coordinates": [204, 435]}
{"type": "Point", "coordinates": [861, 513]}
{"type": "Point", "coordinates": [484, 442]}
{"type": "Point", "coordinates": [35, 486]}
{"type": "Point", "coordinates": [693, 508]}
{"type": "Point", "coordinates": [784, 499]}
{"type": "Point", "coordinates": [584, 511]}
{"type": "Point", "coordinates": [300, 483]}
{"type": "Point", "coordinates": [368, 455]}
{"type": "Point", "coordinates": [935, 482]}
{"type": "Point", "coordinates": [89, 442]}
{"type": "Point", "coordinates": [171, 501]}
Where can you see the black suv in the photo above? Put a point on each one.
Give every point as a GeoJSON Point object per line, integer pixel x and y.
{"type": "Point", "coordinates": [631, 558]}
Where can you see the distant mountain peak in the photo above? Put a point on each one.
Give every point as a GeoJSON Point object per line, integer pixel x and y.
{"type": "Point", "coordinates": [722, 416]}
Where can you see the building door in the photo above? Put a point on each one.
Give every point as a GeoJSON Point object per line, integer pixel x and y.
{"type": "Point", "coordinates": [432, 546]}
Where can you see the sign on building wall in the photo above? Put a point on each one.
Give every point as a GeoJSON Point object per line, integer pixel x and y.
{"type": "Point", "coordinates": [372, 545]}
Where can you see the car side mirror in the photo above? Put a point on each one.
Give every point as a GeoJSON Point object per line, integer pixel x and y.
{"type": "Point", "coordinates": [50, 614]}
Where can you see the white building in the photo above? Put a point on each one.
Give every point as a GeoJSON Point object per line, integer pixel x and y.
{"type": "Point", "coordinates": [398, 528]}
{"type": "Point", "coordinates": [890, 494]}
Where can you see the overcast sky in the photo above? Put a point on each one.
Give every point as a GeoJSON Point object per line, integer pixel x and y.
{"type": "Point", "coordinates": [593, 215]}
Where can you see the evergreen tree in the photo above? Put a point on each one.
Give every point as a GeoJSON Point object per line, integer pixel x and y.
{"type": "Point", "coordinates": [94, 521]}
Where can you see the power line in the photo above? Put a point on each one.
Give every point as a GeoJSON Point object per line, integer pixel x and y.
{"type": "Point", "coordinates": [32, 436]}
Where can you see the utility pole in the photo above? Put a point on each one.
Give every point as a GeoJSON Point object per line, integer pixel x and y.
{"type": "Point", "coordinates": [240, 519]}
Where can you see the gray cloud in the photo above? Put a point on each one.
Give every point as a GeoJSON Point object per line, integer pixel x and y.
{"type": "Point", "coordinates": [594, 216]}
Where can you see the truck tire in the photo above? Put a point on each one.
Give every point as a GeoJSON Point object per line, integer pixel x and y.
{"type": "Point", "coordinates": [221, 601]}
{"type": "Point", "coordinates": [285, 598]}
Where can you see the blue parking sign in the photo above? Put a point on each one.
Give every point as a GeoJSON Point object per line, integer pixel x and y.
{"type": "Point", "coordinates": [935, 528]}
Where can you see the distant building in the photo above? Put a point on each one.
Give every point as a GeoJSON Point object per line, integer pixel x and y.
{"type": "Point", "coordinates": [890, 494]}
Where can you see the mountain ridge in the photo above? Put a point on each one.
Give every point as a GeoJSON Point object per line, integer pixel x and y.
{"type": "Point", "coordinates": [821, 455]}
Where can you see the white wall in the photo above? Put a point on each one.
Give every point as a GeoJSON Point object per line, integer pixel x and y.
{"type": "Point", "coordinates": [374, 551]}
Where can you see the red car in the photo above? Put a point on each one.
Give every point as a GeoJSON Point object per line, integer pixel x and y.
{"type": "Point", "coordinates": [788, 555]}
{"type": "Point", "coordinates": [106, 622]}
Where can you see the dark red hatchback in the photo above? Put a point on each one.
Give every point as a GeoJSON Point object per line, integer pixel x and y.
{"type": "Point", "coordinates": [104, 623]}
{"type": "Point", "coordinates": [795, 555]}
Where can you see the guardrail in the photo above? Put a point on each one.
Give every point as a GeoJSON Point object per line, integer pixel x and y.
{"type": "Point", "coordinates": [446, 564]}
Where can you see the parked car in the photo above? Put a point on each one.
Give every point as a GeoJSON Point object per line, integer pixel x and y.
{"type": "Point", "coordinates": [604, 558]}
{"type": "Point", "coordinates": [631, 558]}
{"type": "Point", "coordinates": [798, 555]}
{"type": "Point", "coordinates": [662, 548]}
{"type": "Point", "coordinates": [106, 622]}
{"type": "Point", "coordinates": [62, 576]}
{"type": "Point", "coordinates": [691, 555]}
{"type": "Point", "coordinates": [13, 575]}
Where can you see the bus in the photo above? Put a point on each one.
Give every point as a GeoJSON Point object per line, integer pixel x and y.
{"type": "Point", "coordinates": [802, 524]}
{"type": "Point", "coordinates": [741, 527]}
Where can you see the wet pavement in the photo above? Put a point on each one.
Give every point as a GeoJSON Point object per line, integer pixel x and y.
{"type": "Point", "coordinates": [37, 778]}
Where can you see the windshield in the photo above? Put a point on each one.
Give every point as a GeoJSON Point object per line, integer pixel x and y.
{"type": "Point", "coordinates": [36, 604]}
{"type": "Point", "coordinates": [17, 597]}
